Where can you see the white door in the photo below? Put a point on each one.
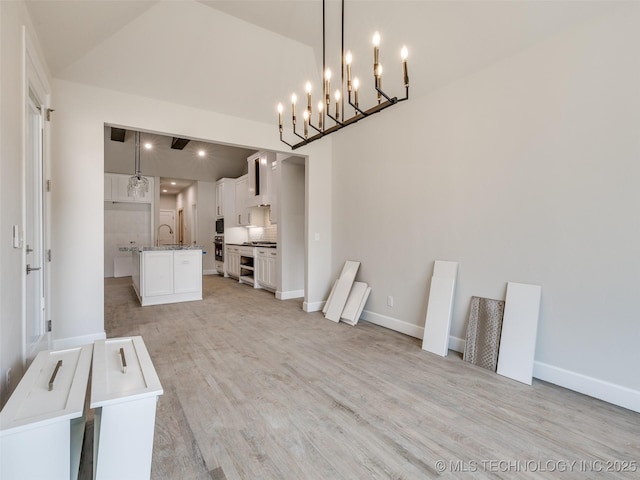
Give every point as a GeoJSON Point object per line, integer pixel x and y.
{"type": "Point", "coordinates": [34, 229]}
{"type": "Point", "coordinates": [167, 228]}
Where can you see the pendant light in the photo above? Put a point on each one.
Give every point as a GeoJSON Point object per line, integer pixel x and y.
{"type": "Point", "coordinates": [138, 185]}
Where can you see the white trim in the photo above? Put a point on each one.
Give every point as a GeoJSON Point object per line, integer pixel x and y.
{"type": "Point", "coordinates": [313, 306]}
{"type": "Point", "coordinates": [289, 295]}
{"type": "Point", "coordinates": [593, 387]}
{"type": "Point", "coordinates": [72, 342]}
{"type": "Point", "coordinates": [393, 324]}
{"type": "Point", "coordinates": [456, 344]}
{"type": "Point", "coordinates": [210, 272]}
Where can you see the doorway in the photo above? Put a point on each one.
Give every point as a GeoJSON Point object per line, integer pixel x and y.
{"type": "Point", "coordinates": [167, 236]}
{"type": "Point", "coordinates": [34, 229]}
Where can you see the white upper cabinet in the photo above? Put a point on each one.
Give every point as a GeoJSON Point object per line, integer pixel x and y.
{"type": "Point", "coordinates": [260, 188]}
{"type": "Point", "coordinates": [242, 212]}
{"type": "Point", "coordinates": [225, 199]}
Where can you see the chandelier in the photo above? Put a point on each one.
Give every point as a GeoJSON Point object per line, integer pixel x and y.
{"type": "Point", "coordinates": [336, 122]}
{"type": "Point", "coordinates": [138, 185]}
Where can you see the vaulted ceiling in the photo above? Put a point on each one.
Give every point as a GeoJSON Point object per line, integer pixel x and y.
{"type": "Point", "coordinates": [241, 57]}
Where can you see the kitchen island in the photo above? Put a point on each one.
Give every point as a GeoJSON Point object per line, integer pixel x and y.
{"type": "Point", "coordinates": [167, 274]}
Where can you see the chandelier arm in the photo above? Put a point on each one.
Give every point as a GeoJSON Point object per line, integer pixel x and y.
{"type": "Point", "coordinates": [298, 135]}
{"type": "Point", "coordinates": [315, 128]}
{"type": "Point", "coordinates": [358, 108]}
{"type": "Point", "coordinates": [338, 122]}
{"type": "Point", "coordinates": [394, 100]}
{"type": "Point", "coordinates": [286, 143]}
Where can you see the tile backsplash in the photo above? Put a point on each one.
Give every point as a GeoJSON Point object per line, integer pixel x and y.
{"type": "Point", "coordinates": [268, 233]}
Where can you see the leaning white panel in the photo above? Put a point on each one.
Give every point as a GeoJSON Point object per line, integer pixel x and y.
{"type": "Point", "coordinates": [519, 331]}
{"type": "Point", "coordinates": [440, 308]}
{"type": "Point", "coordinates": [355, 303]}
{"type": "Point", "coordinates": [341, 292]}
{"type": "Point", "coordinates": [328, 302]}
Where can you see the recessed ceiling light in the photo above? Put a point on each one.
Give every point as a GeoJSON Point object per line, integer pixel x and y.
{"type": "Point", "coordinates": [164, 191]}
{"type": "Point", "coordinates": [201, 153]}
{"type": "Point", "coordinates": [147, 146]}
{"type": "Point", "coordinates": [173, 183]}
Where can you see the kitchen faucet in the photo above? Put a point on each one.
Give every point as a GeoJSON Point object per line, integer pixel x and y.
{"type": "Point", "coordinates": [158, 233]}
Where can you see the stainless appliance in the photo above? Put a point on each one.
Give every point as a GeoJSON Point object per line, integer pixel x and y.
{"type": "Point", "coordinates": [220, 226]}
{"type": "Point", "coordinates": [218, 243]}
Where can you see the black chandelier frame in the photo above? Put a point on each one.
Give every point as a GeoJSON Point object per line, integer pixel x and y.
{"type": "Point", "coordinates": [360, 114]}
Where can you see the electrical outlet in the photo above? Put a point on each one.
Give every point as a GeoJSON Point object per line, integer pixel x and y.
{"type": "Point", "coordinates": [390, 301]}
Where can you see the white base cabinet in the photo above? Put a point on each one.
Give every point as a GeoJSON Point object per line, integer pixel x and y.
{"type": "Point", "coordinates": [124, 391]}
{"type": "Point", "coordinates": [267, 268]}
{"type": "Point", "coordinates": [42, 424]}
{"type": "Point", "coordinates": [167, 276]}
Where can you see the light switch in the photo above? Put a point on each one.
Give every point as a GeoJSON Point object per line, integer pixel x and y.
{"type": "Point", "coordinates": [317, 236]}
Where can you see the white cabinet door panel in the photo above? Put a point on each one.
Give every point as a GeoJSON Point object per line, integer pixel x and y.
{"type": "Point", "coordinates": [187, 272]}
{"type": "Point", "coordinates": [158, 273]}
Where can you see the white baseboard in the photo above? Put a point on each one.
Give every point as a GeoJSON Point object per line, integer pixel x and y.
{"type": "Point", "coordinates": [289, 295]}
{"type": "Point", "coordinates": [609, 392]}
{"type": "Point", "coordinates": [456, 344]}
{"type": "Point", "coordinates": [210, 272]}
{"type": "Point", "coordinates": [393, 324]}
{"type": "Point", "coordinates": [313, 306]}
{"type": "Point", "coordinates": [71, 342]}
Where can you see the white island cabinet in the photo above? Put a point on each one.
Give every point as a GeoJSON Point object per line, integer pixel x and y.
{"type": "Point", "coordinates": [124, 391]}
{"type": "Point", "coordinates": [167, 275]}
{"type": "Point", "coordinates": [42, 424]}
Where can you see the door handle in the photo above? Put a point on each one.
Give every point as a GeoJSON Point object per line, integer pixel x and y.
{"type": "Point", "coordinates": [31, 269]}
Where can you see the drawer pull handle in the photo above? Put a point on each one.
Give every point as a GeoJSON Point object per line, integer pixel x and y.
{"type": "Point", "coordinates": [53, 375]}
{"type": "Point", "coordinates": [124, 361]}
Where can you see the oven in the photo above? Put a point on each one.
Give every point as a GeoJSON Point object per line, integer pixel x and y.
{"type": "Point", "coordinates": [218, 243]}
{"type": "Point", "coordinates": [220, 226]}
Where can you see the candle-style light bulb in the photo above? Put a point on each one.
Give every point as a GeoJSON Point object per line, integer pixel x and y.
{"type": "Point", "coordinates": [280, 109]}
{"type": "Point", "coordinates": [294, 99]}
{"type": "Point", "coordinates": [376, 52]}
{"type": "Point", "coordinates": [308, 89]}
{"type": "Point", "coordinates": [305, 115]}
{"type": "Point", "coordinates": [356, 85]}
{"type": "Point", "coordinates": [404, 53]}
{"type": "Point", "coordinates": [327, 86]}
{"type": "Point", "coordinates": [337, 96]}
{"type": "Point", "coordinates": [320, 115]}
{"type": "Point", "coordinates": [348, 58]}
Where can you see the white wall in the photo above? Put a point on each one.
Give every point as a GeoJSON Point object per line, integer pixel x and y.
{"type": "Point", "coordinates": [125, 224]}
{"type": "Point", "coordinates": [11, 151]}
{"type": "Point", "coordinates": [167, 202]}
{"type": "Point", "coordinates": [291, 228]}
{"type": "Point", "coordinates": [526, 171]}
{"type": "Point", "coordinates": [13, 17]}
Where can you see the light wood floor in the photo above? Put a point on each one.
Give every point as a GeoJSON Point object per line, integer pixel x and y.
{"type": "Point", "coordinates": [254, 388]}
